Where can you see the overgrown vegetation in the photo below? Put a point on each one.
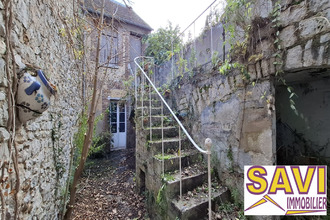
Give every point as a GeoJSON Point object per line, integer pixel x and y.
{"type": "Point", "coordinates": [161, 200]}
{"type": "Point", "coordinates": [278, 63]}
{"type": "Point", "coordinates": [101, 143]}
{"type": "Point", "coordinates": [237, 25]}
{"type": "Point", "coordinates": [161, 43]}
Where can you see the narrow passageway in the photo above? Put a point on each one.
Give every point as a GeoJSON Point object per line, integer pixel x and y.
{"type": "Point", "coordinates": [107, 189]}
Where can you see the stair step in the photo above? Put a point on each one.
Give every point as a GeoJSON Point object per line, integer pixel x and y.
{"type": "Point", "coordinates": [171, 161]}
{"type": "Point", "coordinates": [171, 145]}
{"type": "Point", "coordinates": [192, 177]}
{"type": "Point", "coordinates": [154, 111]}
{"type": "Point", "coordinates": [169, 132]}
{"type": "Point", "coordinates": [194, 205]}
{"type": "Point", "coordinates": [154, 103]}
{"type": "Point", "coordinates": [154, 95]}
{"type": "Point", "coordinates": [156, 121]}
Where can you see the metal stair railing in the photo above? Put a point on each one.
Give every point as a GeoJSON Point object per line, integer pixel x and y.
{"type": "Point", "coordinates": [208, 141]}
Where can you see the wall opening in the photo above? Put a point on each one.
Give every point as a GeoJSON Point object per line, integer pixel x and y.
{"type": "Point", "coordinates": [142, 178]}
{"type": "Point", "coordinates": [304, 138]}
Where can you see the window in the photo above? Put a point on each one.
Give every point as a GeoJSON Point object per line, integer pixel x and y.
{"type": "Point", "coordinates": [109, 50]}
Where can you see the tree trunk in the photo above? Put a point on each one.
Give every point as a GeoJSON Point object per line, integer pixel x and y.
{"type": "Point", "coordinates": [91, 119]}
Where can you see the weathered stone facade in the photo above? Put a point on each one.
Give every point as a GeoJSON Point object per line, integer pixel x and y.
{"type": "Point", "coordinates": [126, 30]}
{"type": "Point", "coordinates": [44, 144]}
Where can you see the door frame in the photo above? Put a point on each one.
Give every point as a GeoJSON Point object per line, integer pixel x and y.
{"type": "Point", "coordinates": [117, 137]}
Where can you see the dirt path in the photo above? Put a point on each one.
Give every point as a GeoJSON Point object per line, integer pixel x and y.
{"type": "Point", "coordinates": [108, 190]}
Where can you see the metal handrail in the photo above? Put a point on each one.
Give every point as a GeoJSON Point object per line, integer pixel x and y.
{"type": "Point", "coordinates": [208, 141]}
{"type": "Point", "coordinates": [168, 107]}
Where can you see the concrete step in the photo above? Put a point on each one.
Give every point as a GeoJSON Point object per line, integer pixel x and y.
{"type": "Point", "coordinates": [154, 111]}
{"type": "Point", "coordinates": [154, 103]}
{"type": "Point", "coordinates": [194, 204]}
{"type": "Point", "coordinates": [192, 177]}
{"type": "Point", "coordinates": [171, 161]}
{"type": "Point", "coordinates": [168, 132]}
{"type": "Point", "coordinates": [146, 95]}
{"type": "Point", "coordinates": [156, 121]}
{"type": "Point", "coordinates": [171, 145]}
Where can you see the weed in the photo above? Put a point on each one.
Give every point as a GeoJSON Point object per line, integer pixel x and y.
{"type": "Point", "coordinates": [161, 200]}
{"type": "Point", "coordinates": [165, 157]}
{"type": "Point", "coordinates": [168, 177]}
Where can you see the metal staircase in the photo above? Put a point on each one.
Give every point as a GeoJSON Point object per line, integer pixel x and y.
{"type": "Point", "coordinates": [170, 165]}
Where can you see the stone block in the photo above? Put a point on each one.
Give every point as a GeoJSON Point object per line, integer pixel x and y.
{"type": "Point", "coordinates": [257, 133]}
{"type": "Point", "coordinates": [2, 27]}
{"type": "Point", "coordinates": [4, 135]}
{"type": "Point", "coordinates": [259, 158]}
{"type": "Point", "coordinates": [265, 67]}
{"type": "Point", "coordinates": [195, 96]}
{"type": "Point", "coordinates": [313, 56]}
{"type": "Point", "coordinates": [183, 101]}
{"type": "Point", "coordinates": [288, 37]}
{"type": "Point", "coordinates": [272, 68]}
{"type": "Point", "coordinates": [239, 81]}
{"type": "Point", "coordinates": [2, 46]}
{"type": "Point", "coordinates": [252, 71]}
{"type": "Point", "coordinates": [2, 96]}
{"type": "Point", "coordinates": [293, 14]}
{"type": "Point", "coordinates": [264, 47]}
{"type": "Point", "coordinates": [4, 152]}
{"type": "Point", "coordinates": [263, 8]}
{"type": "Point", "coordinates": [23, 13]}
{"type": "Point", "coordinates": [18, 60]}
{"type": "Point", "coordinates": [319, 5]}
{"type": "Point", "coordinates": [294, 58]}
{"type": "Point", "coordinates": [3, 113]}
{"type": "Point", "coordinates": [312, 26]}
{"type": "Point", "coordinates": [258, 69]}
{"type": "Point", "coordinates": [325, 38]}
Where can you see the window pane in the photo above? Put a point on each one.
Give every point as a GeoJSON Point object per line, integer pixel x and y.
{"type": "Point", "coordinates": [121, 127]}
{"type": "Point", "coordinates": [122, 108]}
{"type": "Point", "coordinates": [114, 128]}
{"type": "Point", "coordinates": [121, 117]}
{"type": "Point", "coordinates": [113, 107]}
{"type": "Point", "coordinates": [113, 117]}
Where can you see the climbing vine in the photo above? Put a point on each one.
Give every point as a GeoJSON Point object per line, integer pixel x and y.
{"type": "Point", "coordinates": [278, 63]}
{"type": "Point", "coordinates": [10, 184]}
{"type": "Point", "coordinates": [236, 14]}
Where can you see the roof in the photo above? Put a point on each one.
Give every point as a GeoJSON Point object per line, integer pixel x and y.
{"type": "Point", "coordinates": [123, 13]}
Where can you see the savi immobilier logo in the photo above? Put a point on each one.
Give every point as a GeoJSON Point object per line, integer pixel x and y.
{"type": "Point", "coordinates": [285, 190]}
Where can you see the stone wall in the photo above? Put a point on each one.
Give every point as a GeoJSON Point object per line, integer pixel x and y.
{"type": "Point", "coordinates": [44, 144]}
{"type": "Point", "coordinates": [240, 117]}
{"type": "Point", "coordinates": [232, 114]}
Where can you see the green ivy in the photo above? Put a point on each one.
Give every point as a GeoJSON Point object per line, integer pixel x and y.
{"type": "Point", "coordinates": [278, 63]}
{"type": "Point", "coordinates": [237, 13]}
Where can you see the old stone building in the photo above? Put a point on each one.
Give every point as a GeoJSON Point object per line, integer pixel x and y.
{"type": "Point", "coordinates": [121, 42]}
